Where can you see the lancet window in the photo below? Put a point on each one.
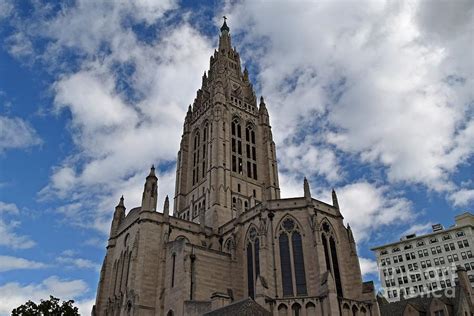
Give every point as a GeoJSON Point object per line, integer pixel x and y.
{"type": "Point", "coordinates": [251, 151]}
{"type": "Point", "coordinates": [196, 157]}
{"type": "Point", "coordinates": [291, 259]}
{"type": "Point", "coordinates": [237, 158]}
{"type": "Point", "coordinates": [253, 260]}
{"type": "Point", "coordinates": [330, 253]}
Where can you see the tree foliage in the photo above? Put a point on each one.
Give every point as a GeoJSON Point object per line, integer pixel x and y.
{"type": "Point", "coordinates": [51, 307]}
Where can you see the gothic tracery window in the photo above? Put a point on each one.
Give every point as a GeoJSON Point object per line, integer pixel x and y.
{"type": "Point", "coordinates": [196, 157]}
{"type": "Point", "coordinates": [236, 130]}
{"type": "Point", "coordinates": [251, 152]}
{"type": "Point", "coordinates": [253, 260]}
{"type": "Point", "coordinates": [291, 259]}
{"type": "Point", "coordinates": [204, 149]}
{"type": "Point", "coordinates": [331, 257]}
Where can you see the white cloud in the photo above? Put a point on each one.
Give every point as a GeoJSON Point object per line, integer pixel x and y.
{"type": "Point", "coordinates": [391, 87]}
{"type": "Point", "coordinates": [368, 266]}
{"type": "Point", "coordinates": [11, 239]}
{"type": "Point", "coordinates": [69, 259]}
{"type": "Point", "coordinates": [368, 208]}
{"type": "Point", "coordinates": [8, 207]}
{"type": "Point", "coordinates": [8, 236]}
{"type": "Point", "coordinates": [6, 7]}
{"type": "Point", "coordinates": [462, 197]}
{"type": "Point", "coordinates": [308, 159]}
{"type": "Point", "coordinates": [16, 133]}
{"type": "Point", "coordinates": [8, 263]}
{"type": "Point", "coordinates": [126, 98]}
{"type": "Point", "coordinates": [418, 229]}
{"type": "Point", "coordinates": [85, 306]}
{"type": "Point", "coordinates": [14, 294]}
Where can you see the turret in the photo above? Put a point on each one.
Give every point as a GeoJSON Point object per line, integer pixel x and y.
{"type": "Point", "coordinates": [119, 216]}
{"type": "Point", "coordinates": [263, 112]}
{"type": "Point", "coordinates": [150, 192]}
{"type": "Point", "coordinates": [335, 203]}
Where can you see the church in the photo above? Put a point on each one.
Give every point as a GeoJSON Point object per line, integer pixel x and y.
{"type": "Point", "coordinates": [231, 246]}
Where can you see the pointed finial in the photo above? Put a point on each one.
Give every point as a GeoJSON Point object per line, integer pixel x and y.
{"type": "Point", "coordinates": [246, 74]}
{"type": "Point", "coordinates": [224, 26]}
{"type": "Point", "coordinates": [152, 172]}
{"type": "Point", "coordinates": [262, 101]}
{"type": "Point", "coordinates": [121, 202]}
{"type": "Point", "coordinates": [307, 192]}
{"type": "Point", "coordinates": [166, 207]}
{"type": "Point", "coordinates": [335, 203]}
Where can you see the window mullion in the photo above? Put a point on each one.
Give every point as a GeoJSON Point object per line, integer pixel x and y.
{"type": "Point", "coordinates": [293, 279]}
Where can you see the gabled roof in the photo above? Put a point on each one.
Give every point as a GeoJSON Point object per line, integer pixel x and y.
{"type": "Point", "coordinates": [245, 307]}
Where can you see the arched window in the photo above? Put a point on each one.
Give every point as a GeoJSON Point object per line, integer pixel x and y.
{"type": "Point", "coordinates": [204, 149]}
{"type": "Point", "coordinates": [330, 254]}
{"type": "Point", "coordinates": [229, 245]}
{"type": "Point", "coordinates": [173, 264]}
{"type": "Point", "coordinates": [282, 310]}
{"type": "Point", "coordinates": [335, 263]}
{"type": "Point", "coordinates": [253, 260]}
{"type": "Point", "coordinates": [292, 271]}
{"type": "Point", "coordinates": [296, 309]}
{"type": "Point", "coordinates": [310, 309]}
{"type": "Point", "coordinates": [236, 130]}
{"type": "Point", "coordinates": [170, 313]}
{"type": "Point", "coordinates": [355, 310]}
{"type": "Point", "coordinates": [251, 152]}
{"type": "Point", "coordinates": [196, 157]}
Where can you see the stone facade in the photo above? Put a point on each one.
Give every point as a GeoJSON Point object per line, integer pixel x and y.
{"type": "Point", "coordinates": [230, 236]}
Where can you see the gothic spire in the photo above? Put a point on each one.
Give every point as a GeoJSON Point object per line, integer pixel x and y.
{"type": "Point", "coordinates": [224, 26]}
{"type": "Point", "coordinates": [224, 38]}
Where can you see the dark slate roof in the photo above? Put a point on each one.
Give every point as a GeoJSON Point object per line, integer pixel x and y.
{"type": "Point", "coordinates": [245, 307]}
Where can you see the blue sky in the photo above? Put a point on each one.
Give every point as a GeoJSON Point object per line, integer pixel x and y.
{"type": "Point", "coordinates": [374, 99]}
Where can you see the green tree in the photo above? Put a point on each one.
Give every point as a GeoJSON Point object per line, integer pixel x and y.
{"type": "Point", "coordinates": [51, 307]}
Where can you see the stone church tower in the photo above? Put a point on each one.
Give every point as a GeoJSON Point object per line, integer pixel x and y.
{"type": "Point", "coordinates": [231, 240]}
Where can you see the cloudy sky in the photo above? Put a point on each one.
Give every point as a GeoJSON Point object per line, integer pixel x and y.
{"type": "Point", "coordinates": [373, 98]}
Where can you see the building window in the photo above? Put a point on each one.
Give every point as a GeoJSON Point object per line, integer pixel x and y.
{"type": "Point", "coordinates": [335, 263]}
{"type": "Point", "coordinates": [196, 157]}
{"type": "Point", "coordinates": [204, 149]}
{"type": "Point", "coordinates": [285, 265]}
{"type": "Point", "coordinates": [296, 309]}
{"type": "Point", "coordinates": [172, 269]}
{"type": "Point", "coordinates": [236, 143]}
{"type": "Point", "coordinates": [251, 151]}
{"type": "Point", "coordinates": [330, 253]}
{"type": "Point", "coordinates": [253, 260]}
{"type": "Point", "coordinates": [292, 269]}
